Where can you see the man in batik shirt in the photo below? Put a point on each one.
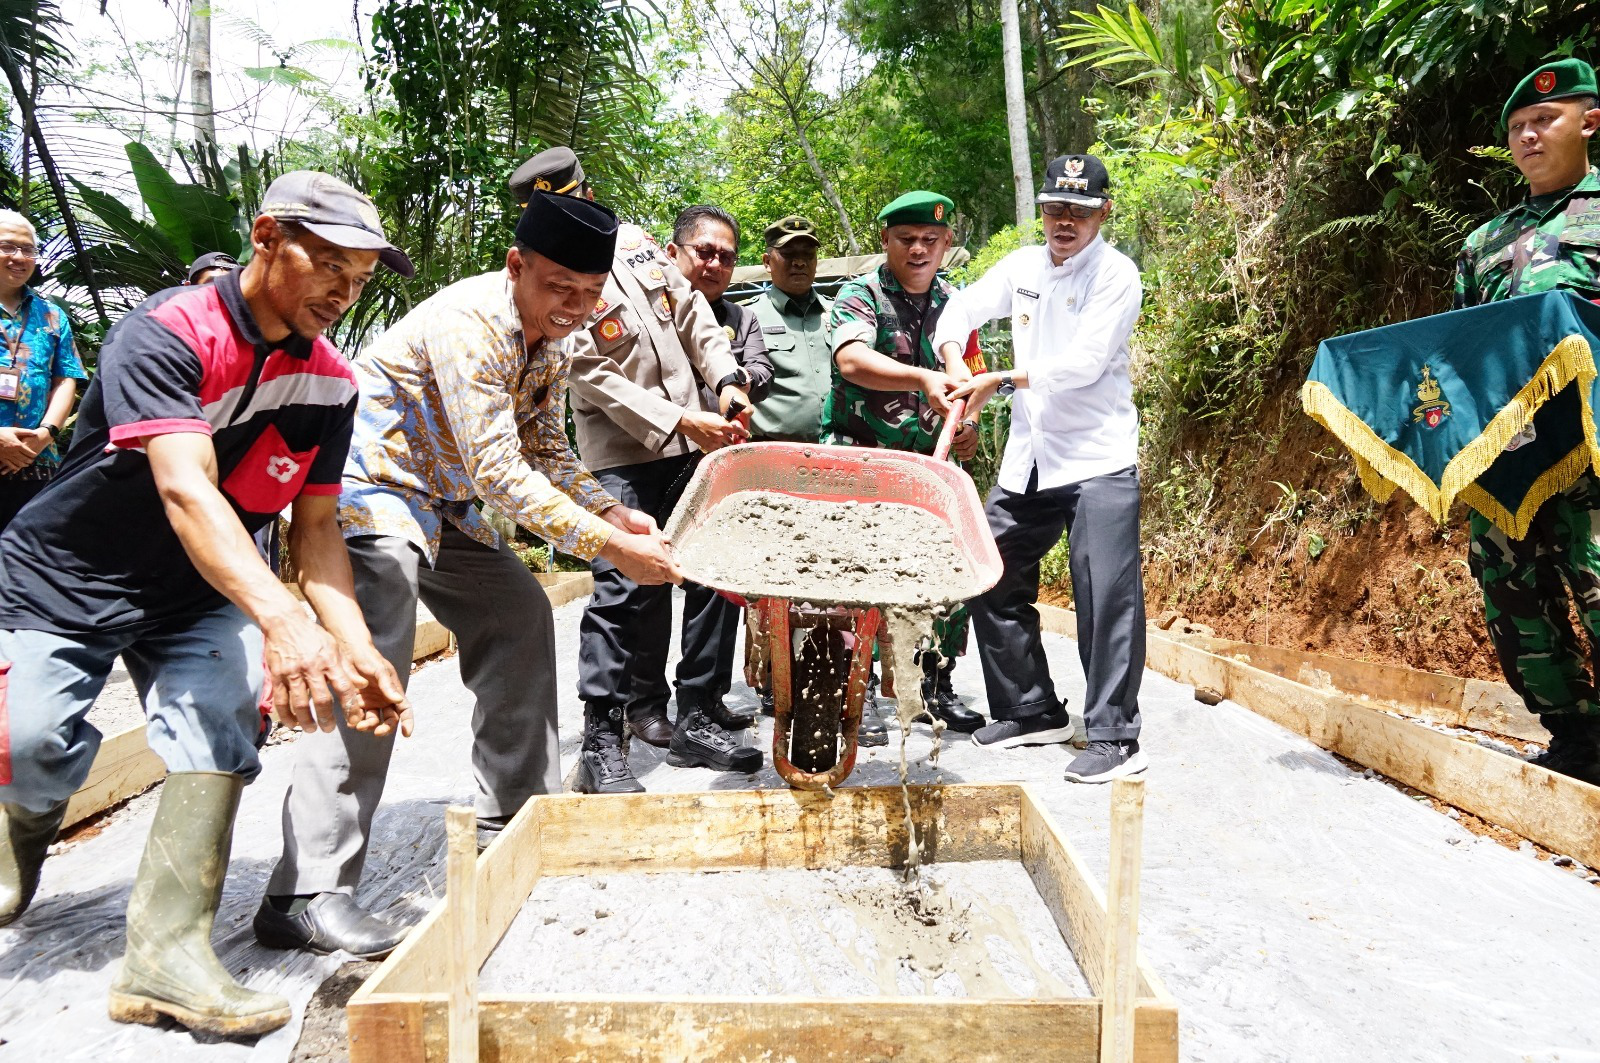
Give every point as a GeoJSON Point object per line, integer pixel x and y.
{"type": "Point", "coordinates": [463, 400]}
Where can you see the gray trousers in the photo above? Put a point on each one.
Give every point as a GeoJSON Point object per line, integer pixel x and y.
{"type": "Point", "coordinates": [1101, 519]}
{"type": "Point", "coordinates": [505, 634]}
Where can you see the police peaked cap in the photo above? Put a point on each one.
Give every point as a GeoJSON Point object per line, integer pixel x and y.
{"type": "Point", "coordinates": [553, 170]}
{"type": "Point", "coordinates": [572, 232]}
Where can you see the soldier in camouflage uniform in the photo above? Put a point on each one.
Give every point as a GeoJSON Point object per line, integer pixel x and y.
{"type": "Point", "coordinates": [1550, 240]}
{"type": "Point", "coordinates": [889, 390]}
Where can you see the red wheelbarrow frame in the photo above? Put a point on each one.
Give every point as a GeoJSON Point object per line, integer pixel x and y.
{"type": "Point", "coordinates": [832, 474]}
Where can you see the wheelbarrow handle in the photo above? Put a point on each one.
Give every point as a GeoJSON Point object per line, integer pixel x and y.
{"type": "Point", "coordinates": [947, 434]}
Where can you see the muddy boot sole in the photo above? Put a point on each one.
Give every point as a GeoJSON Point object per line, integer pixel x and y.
{"type": "Point", "coordinates": [149, 1011]}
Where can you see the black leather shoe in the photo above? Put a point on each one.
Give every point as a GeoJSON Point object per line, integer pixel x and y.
{"type": "Point", "coordinates": [1575, 758]}
{"type": "Point", "coordinates": [332, 921]}
{"type": "Point", "coordinates": [697, 742]}
{"type": "Point", "coordinates": [726, 718]}
{"type": "Point", "coordinates": [946, 706]}
{"type": "Point", "coordinates": [651, 725]}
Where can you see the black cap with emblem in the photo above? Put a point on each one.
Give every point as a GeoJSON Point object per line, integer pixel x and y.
{"type": "Point", "coordinates": [553, 170]}
{"type": "Point", "coordinates": [327, 207]}
{"type": "Point", "coordinates": [576, 233]}
{"type": "Point", "coordinates": [1078, 179]}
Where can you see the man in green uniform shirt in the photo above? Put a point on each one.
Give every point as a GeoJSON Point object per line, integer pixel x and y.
{"type": "Point", "coordinates": [794, 319]}
{"type": "Point", "coordinates": [889, 390]}
{"type": "Point", "coordinates": [1548, 241]}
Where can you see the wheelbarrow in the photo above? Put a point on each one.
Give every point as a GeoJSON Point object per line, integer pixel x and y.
{"type": "Point", "coordinates": [821, 649]}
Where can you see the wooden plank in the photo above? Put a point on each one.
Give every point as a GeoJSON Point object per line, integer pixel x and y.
{"type": "Point", "coordinates": [564, 587]}
{"type": "Point", "coordinates": [907, 1030]}
{"type": "Point", "coordinates": [461, 898]}
{"type": "Point", "coordinates": [587, 834]}
{"type": "Point", "coordinates": [1424, 695]}
{"type": "Point", "coordinates": [388, 1029]}
{"type": "Point", "coordinates": [1121, 962]}
{"type": "Point", "coordinates": [124, 766]}
{"type": "Point", "coordinates": [1557, 812]}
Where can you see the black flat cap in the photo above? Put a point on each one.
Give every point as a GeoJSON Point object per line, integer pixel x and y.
{"type": "Point", "coordinates": [554, 170]}
{"type": "Point", "coordinates": [572, 232]}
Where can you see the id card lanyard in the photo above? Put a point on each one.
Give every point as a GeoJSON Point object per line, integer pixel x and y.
{"type": "Point", "coordinates": [11, 375]}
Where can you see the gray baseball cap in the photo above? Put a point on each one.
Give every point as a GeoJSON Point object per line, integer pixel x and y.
{"type": "Point", "coordinates": [333, 210]}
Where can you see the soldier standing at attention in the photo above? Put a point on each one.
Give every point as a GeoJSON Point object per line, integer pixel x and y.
{"type": "Point", "coordinates": [888, 391]}
{"type": "Point", "coordinates": [705, 246]}
{"type": "Point", "coordinates": [643, 420]}
{"type": "Point", "coordinates": [1548, 241]}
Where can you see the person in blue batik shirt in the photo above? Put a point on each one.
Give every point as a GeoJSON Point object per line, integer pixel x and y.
{"type": "Point", "coordinates": [39, 371]}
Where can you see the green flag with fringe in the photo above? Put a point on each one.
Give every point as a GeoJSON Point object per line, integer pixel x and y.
{"type": "Point", "coordinates": [1492, 405]}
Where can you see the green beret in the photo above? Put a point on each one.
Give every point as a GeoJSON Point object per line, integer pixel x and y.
{"type": "Point", "coordinates": [918, 208]}
{"type": "Point", "coordinates": [1553, 81]}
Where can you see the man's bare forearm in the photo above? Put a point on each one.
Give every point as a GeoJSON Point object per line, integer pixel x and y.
{"type": "Point", "coordinates": [863, 366]}
{"type": "Point", "coordinates": [62, 391]}
{"type": "Point", "coordinates": [320, 556]}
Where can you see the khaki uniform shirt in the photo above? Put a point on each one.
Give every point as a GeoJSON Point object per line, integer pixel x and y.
{"type": "Point", "coordinates": [638, 365]}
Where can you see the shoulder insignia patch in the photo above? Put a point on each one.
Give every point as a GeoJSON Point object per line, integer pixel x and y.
{"type": "Point", "coordinates": [610, 329]}
{"type": "Point", "coordinates": [656, 274]}
{"type": "Point", "coordinates": [663, 307]}
{"type": "Point", "coordinates": [632, 240]}
{"type": "Point", "coordinates": [600, 309]}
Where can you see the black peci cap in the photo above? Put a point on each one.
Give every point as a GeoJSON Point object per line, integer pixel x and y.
{"type": "Point", "coordinates": [1077, 179]}
{"type": "Point", "coordinates": [576, 233]}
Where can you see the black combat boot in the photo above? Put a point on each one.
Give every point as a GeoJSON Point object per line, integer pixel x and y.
{"type": "Point", "coordinates": [1574, 746]}
{"type": "Point", "coordinates": [939, 696]}
{"type": "Point", "coordinates": [699, 742]}
{"type": "Point", "coordinates": [602, 765]}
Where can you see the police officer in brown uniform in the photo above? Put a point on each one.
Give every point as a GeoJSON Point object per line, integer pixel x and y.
{"type": "Point", "coordinates": [643, 420]}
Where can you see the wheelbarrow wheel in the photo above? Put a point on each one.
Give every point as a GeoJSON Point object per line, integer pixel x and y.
{"type": "Point", "coordinates": [817, 690]}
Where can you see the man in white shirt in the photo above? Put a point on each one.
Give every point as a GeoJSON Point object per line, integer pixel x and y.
{"type": "Point", "coordinates": [1070, 463]}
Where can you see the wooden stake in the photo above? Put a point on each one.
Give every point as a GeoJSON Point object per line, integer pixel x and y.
{"type": "Point", "coordinates": [1120, 991]}
{"type": "Point", "coordinates": [461, 894]}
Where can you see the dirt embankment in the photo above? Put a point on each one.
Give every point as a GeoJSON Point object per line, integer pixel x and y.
{"type": "Point", "coordinates": [1263, 532]}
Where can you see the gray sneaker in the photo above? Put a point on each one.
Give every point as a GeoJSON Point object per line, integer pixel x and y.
{"type": "Point", "coordinates": [1104, 761]}
{"type": "Point", "coordinates": [1033, 731]}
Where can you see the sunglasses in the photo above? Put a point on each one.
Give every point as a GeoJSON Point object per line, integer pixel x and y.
{"type": "Point", "coordinates": [707, 253]}
{"type": "Point", "coordinates": [1055, 210]}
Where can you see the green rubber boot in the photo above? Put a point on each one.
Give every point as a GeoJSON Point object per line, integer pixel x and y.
{"type": "Point", "coordinates": [24, 838]}
{"type": "Point", "coordinates": [169, 967]}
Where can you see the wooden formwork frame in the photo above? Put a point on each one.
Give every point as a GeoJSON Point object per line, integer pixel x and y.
{"type": "Point", "coordinates": [1556, 811]}
{"type": "Point", "coordinates": [405, 1012]}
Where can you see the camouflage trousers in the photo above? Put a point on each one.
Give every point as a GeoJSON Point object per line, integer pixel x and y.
{"type": "Point", "coordinates": [1526, 585]}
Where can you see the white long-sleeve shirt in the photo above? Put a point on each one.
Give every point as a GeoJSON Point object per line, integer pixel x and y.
{"type": "Point", "coordinates": [1070, 326]}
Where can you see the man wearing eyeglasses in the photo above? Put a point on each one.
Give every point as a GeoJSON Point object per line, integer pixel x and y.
{"type": "Point", "coordinates": [1070, 463]}
{"type": "Point", "coordinates": [40, 372]}
{"type": "Point", "coordinates": [643, 418]}
{"type": "Point", "coordinates": [705, 246]}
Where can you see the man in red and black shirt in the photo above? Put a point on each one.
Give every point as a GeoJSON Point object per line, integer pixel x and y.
{"type": "Point", "coordinates": [214, 408]}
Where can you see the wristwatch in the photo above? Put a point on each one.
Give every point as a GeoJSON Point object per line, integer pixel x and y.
{"type": "Point", "coordinates": [1006, 388]}
{"type": "Point", "coordinates": [739, 378]}
{"type": "Point", "coordinates": [55, 433]}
